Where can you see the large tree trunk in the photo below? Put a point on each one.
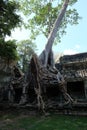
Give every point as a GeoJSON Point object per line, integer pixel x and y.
{"type": "Point", "coordinates": [42, 68]}
{"type": "Point", "coordinates": [47, 53]}
{"type": "Point", "coordinates": [56, 26]}
{"type": "Point", "coordinates": [46, 77]}
{"type": "Point", "coordinates": [46, 58]}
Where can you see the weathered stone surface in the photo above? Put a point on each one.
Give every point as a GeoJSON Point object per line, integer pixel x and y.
{"type": "Point", "coordinates": [74, 70]}
{"type": "Point", "coordinates": [5, 78]}
{"type": "Point", "coordinates": [74, 67]}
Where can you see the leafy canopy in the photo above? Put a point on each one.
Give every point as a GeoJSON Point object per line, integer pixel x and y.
{"type": "Point", "coordinates": [8, 50]}
{"type": "Point", "coordinates": [25, 50]}
{"type": "Point", "coordinates": [8, 17]}
{"type": "Point", "coordinates": [41, 15]}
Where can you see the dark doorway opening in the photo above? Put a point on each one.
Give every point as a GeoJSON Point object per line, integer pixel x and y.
{"type": "Point", "coordinates": [53, 93]}
{"type": "Point", "coordinates": [31, 95]}
{"type": "Point", "coordinates": [18, 94]}
{"type": "Point", "coordinates": [76, 89]}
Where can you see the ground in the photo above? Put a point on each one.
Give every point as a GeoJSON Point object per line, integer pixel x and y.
{"type": "Point", "coordinates": [24, 121]}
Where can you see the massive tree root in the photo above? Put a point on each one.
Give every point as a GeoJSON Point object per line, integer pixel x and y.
{"type": "Point", "coordinates": [44, 77]}
{"type": "Point", "coordinates": [35, 66]}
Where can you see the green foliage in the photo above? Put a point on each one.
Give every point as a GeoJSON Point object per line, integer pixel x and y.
{"type": "Point", "coordinates": [25, 50]}
{"type": "Point", "coordinates": [41, 15]}
{"type": "Point", "coordinates": [9, 19]}
{"type": "Point", "coordinates": [8, 50]}
{"type": "Point", "coordinates": [46, 17]}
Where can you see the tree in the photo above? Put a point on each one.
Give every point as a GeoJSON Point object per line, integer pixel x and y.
{"type": "Point", "coordinates": [43, 71]}
{"type": "Point", "coordinates": [41, 15]}
{"type": "Point", "coordinates": [25, 50]}
{"type": "Point", "coordinates": [8, 50]}
{"type": "Point", "coordinates": [40, 76]}
{"type": "Point", "coordinates": [9, 19]}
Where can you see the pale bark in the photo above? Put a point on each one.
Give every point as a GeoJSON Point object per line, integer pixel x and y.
{"type": "Point", "coordinates": [47, 52]}
{"type": "Point", "coordinates": [56, 26]}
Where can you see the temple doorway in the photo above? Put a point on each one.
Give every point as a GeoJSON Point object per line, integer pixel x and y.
{"type": "Point", "coordinates": [76, 89]}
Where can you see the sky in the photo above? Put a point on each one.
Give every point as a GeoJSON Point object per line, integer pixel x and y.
{"type": "Point", "coordinates": [75, 41]}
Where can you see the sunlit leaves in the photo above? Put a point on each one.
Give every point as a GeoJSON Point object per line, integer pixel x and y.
{"type": "Point", "coordinates": [8, 17]}
{"type": "Point", "coordinates": [41, 15]}
{"type": "Point", "coordinates": [25, 49]}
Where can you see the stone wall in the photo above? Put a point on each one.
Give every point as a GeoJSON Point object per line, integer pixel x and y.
{"type": "Point", "coordinates": [6, 73]}
{"type": "Point", "coordinates": [74, 67]}
{"type": "Point", "coordinates": [74, 70]}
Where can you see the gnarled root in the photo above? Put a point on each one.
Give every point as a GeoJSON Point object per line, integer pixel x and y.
{"type": "Point", "coordinates": [40, 101]}
{"type": "Point", "coordinates": [66, 96]}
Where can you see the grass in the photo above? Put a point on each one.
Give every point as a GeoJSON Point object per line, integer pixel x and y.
{"type": "Point", "coordinates": [52, 122]}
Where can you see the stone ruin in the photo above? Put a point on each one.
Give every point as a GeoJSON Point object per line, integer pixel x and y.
{"type": "Point", "coordinates": [72, 67]}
